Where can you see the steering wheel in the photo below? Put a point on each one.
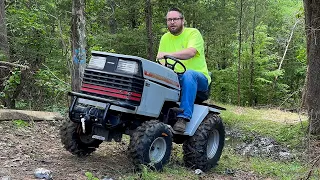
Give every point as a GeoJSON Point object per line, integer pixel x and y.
{"type": "Point", "coordinates": [173, 65]}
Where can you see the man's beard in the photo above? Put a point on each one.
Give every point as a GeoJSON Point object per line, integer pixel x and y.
{"type": "Point", "coordinates": [177, 30]}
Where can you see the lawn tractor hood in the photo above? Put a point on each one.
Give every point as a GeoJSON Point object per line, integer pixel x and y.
{"type": "Point", "coordinates": [128, 82]}
{"type": "Point", "coordinates": [116, 78]}
{"type": "Point", "coordinates": [134, 66]}
{"type": "Point", "coordinates": [122, 77]}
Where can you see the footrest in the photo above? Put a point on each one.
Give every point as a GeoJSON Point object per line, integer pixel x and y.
{"type": "Point", "coordinates": [177, 110]}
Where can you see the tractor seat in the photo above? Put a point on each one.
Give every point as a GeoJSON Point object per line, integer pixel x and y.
{"type": "Point", "coordinates": [204, 95]}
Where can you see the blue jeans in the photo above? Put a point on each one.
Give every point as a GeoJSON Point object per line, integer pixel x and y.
{"type": "Point", "coordinates": [190, 82]}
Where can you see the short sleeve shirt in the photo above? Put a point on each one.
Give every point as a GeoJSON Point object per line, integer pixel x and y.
{"type": "Point", "coordinates": [190, 37]}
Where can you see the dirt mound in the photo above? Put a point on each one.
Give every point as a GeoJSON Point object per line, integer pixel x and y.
{"type": "Point", "coordinates": [24, 149]}
{"type": "Point", "coordinates": [12, 114]}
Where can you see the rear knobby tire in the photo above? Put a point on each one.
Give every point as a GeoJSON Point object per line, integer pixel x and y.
{"type": "Point", "coordinates": [75, 141]}
{"type": "Point", "coordinates": [150, 145]}
{"type": "Point", "coordinates": [204, 148]}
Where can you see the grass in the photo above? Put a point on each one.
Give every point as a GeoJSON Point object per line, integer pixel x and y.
{"type": "Point", "coordinates": [262, 167]}
{"type": "Point", "coordinates": [174, 170]}
{"type": "Point", "coordinates": [20, 123]}
{"type": "Point", "coordinates": [170, 172]}
{"type": "Point", "coordinates": [285, 127]}
{"type": "Point", "coordinates": [230, 160]}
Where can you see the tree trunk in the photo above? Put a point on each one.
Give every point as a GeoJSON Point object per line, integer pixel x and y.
{"type": "Point", "coordinates": [78, 39]}
{"type": "Point", "coordinates": [148, 13]}
{"type": "Point", "coordinates": [239, 51]}
{"type": "Point", "coordinates": [224, 39]}
{"type": "Point", "coordinates": [133, 15]}
{"type": "Point", "coordinates": [4, 46]}
{"type": "Point", "coordinates": [112, 20]}
{"type": "Point", "coordinates": [251, 98]}
{"type": "Point", "coordinates": [312, 89]}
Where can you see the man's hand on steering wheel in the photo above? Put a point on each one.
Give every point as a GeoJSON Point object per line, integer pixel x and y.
{"type": "Point", "coordinates": [161, 55]}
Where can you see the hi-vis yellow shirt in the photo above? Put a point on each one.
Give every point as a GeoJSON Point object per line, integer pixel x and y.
{"type": "Point", "coordinates": [190, 37]}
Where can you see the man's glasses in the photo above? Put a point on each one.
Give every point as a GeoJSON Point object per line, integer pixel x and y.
{"type": "Point", "coordinates": [173, 19]}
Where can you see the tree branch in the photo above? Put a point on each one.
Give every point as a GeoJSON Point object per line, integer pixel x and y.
{"type": "Point", "coordinates": [312, 167]}
{"type": "Point", "coordinates": [13, 65]}
{"type": "Point", "coordinates": [55, 75]}
{"type": "Point", "coordinates": [287, 46]}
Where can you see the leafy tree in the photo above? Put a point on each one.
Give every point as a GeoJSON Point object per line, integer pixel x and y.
{"type": "Point", "coordinates": [39, 36]}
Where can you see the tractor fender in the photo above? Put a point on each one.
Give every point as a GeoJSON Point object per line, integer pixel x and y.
{"type": "Point", "coordinates": [199, 113]}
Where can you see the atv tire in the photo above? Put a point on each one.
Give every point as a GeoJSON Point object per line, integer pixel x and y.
{"type": "Point", "coordinates": [204, 148]}
{"type": "Point", "coordinates": [150, 145]}
{"type": "Point", "coordinates": [75, 141]}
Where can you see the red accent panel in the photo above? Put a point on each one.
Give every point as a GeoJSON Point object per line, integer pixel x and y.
{"type": "Point", "coordinates": [110, 94]}
{"type": "Point", "coordinates": [111, 90]}
{"type": "Point", "coordinates": [162, 78]}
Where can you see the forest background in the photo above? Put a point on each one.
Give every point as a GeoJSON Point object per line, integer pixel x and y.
{"type": "Point", "coordinates": [256, 49]}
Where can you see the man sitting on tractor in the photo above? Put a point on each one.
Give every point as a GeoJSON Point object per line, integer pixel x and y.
{"type": "Point", "coordinates": [186, 44]}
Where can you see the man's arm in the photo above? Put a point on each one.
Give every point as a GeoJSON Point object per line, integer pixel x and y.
{"type": "Point", "coordinates": [183, 54]}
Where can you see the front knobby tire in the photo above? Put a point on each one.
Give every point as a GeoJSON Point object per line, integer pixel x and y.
{"type": "Point", "coordinates": [150, 145]}
{"type": "Point", "coordinates": [75, 141]}
{"type": "Point", "coordinates": [204, 148]}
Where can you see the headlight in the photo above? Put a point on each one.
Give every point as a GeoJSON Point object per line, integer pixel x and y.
{"type": "Point", "coordinates": [126, 66]}
{"type": "Point", "coordinates": [97, 62]}
{"type": "Point", "coordinates": [92, 103]}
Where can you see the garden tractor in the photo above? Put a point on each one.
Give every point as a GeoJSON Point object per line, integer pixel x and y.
{"type": "Point", "coordinates": [129, 95]}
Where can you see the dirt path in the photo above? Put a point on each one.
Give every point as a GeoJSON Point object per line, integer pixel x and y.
{"type": "Point", "coordinates": [22, 150]}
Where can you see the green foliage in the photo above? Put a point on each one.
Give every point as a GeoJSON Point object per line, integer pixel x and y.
{"type": "Point", "coordinates": [291, 170]}
{"type": "Point", "coordinates": [284, 127]}
{"type": "Point", "coordinates": [179, 172]}
{"type": "Point", "coordinates": [40, 37]}
{"type": "Point", "coordinates": [37, 31]}
{"type": "Point", "coordinates": [3, 57]}
{"type": "Point", "coordinates": [173, 171]}
{"type": "Point", "coordinates": [287, 128]}
{"type": "Point", "coordinates": [29, 28]}
{"type": "Point", "coordinates": [268, 122]}
{"type": "Point", "coordinates": [259, 59]}
{"type": "Point", "coordinates": [262, 167]}
{"type": "Point", "coordinates": [22, 104]}
{"type": "Point", "coordinates": [132, 42]}
{"type": "Point", "coordinates": [20, 123]}
{"type": "Point", "coordinates": [48, 81]}
{"type": "Point", "coordinates": [147, 174]}
{"type": "Point", "coordinates": [90, 176]}
{"type": "Point", "coordinates": [11, 84]}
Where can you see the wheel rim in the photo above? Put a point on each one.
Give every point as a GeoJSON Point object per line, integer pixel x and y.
{"type": "Point", "coordinates": [157, 150]}
{"type": "Point", "coordinates": [213, 143]}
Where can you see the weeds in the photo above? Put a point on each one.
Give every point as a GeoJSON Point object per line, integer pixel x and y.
{"type": "Point", "coordinates": [20, 123]}
{"type": "Point", "coordinates": [285, 127]}
{"type": "Point", "coordinates": [90, 176]}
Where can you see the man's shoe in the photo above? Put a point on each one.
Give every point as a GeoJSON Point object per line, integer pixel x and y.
{"type": "Point", "coordinates": [180, 125]}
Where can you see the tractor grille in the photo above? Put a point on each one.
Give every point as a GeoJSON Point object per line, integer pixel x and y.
{"type": "Point", "coordinates": [112, 86]}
